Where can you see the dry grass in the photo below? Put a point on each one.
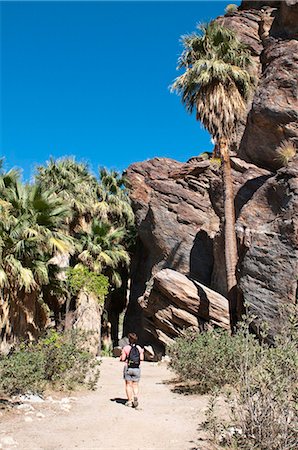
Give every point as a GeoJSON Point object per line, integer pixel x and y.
{"type": "Point", "coordinates": [286, 152]}
{"type": "Point", "coordinates": [231, 8]}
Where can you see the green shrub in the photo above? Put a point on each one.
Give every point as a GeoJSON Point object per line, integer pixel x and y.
{"type": "Point", "coordinates": [81, 278]}
{"type": "Point", "coordinates": [209, 359]}
{"type": "Point", "coordinates": [22, 372]}
{"type": "Point", "coordinates": [266, 406]}
{"type": "Point", "coordinates": [263, 406]}
{"type": "Point", "coordinates": [56, 360]}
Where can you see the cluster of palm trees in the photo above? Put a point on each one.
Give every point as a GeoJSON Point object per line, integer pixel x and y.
{"type": "Point", "coordinates": [217, 84]}
{"type": "Point", "coordinates": [67, 218]}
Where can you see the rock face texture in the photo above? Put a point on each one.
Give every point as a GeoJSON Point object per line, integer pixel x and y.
{"type": "Point", "coordinates": [270, 30]}
{"type": "Point", "coordinates": [268, 233]}
{"type": "Point", "coordinates": [274, 113]}
{"type": "Point", "coordinates": [176, 224]}
{"type": "Point", "coordinates": [175, 302]}
{"type": "Point", "coordinates": [179, 209]}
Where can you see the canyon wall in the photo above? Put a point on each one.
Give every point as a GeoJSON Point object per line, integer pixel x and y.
{"type": "Point", "coordinates": [179, 210]}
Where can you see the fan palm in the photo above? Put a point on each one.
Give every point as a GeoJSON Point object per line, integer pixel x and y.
{"type": "Point", "coordinates": [114, 203]}
{"type": "Point", "coordinates": [73, 182]}
{"type": "Point", "coordinates": [216, 85]}
{"type": "Point", "coordinates": [31, 232]}
{"type": "Point", "coordinates": [102, 250]}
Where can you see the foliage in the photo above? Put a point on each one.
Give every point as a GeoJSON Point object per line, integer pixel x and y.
{"type": "Point", "coordinates": [216, 82]}
{"type": "Point", "coordinates": [102, 217]}
{"type": "Point", "coordinates": [231, 8]}
{"type": "Point", "coordinates": [114, 203]}
{"type": "Point", "coordinates": [56, 360]}
{"type": "Point", "coordinates": [102, 250]}
{"type": "Point", "coordinates": [72, 182]}
{"type": "Point", "coordinates": [286, 152]}
{"type": "Point", "coordinates": [81, 278]}
{"type": "Point", "coordinates": [31, 231]}
{"type": "Point", "coordinates": [262, 378]}
{"type": "Point", "coordinates": [266, 405]}
{"type": "Point", "coordinates": [209, 359]}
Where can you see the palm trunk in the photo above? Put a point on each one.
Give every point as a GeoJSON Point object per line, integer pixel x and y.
{"type": "Point", "coordinates": [231, 254]}
{"type": "Point", "coordinates": [88, 320]}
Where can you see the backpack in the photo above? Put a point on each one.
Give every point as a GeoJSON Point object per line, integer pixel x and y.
{"type": "Point", "coordinates": [134, 357]}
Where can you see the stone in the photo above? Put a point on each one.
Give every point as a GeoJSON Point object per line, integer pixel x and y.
{"type": "Point", "coordinates": [179, 207]}
{"type": "Point", "coordinates": [31, 398]}
{"type": "Point", "coordinates": [176, 224]}
{"type": "Point", "coordinates": [117, 352]}
{"type": "Point", "coordinates": [274, 114]}
{"type": "Point", "coordinates": [28, 419]}
{"type": "Point", "coordinates": [176, 303]}
{"type": "Point", "coordinates": [267, 230]}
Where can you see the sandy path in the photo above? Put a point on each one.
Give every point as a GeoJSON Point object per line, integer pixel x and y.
{"type": "Point", "coordinates": [98, 419]}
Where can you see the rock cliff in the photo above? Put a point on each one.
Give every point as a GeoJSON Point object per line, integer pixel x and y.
{"type": "Point", "coordinates": [179, 211]}
{"type": "Point", "coordinates": [270, 29]}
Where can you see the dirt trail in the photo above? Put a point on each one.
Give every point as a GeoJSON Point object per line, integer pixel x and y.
{"type": "Point", "coordinates": [99, 420]}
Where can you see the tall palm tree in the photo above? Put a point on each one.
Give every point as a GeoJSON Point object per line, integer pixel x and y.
{"type": "Point", "coordinates": [216, 84]}
{"type": "Point", "coordinates": [32, 230]}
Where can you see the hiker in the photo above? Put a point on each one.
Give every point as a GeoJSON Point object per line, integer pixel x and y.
{"type": "Point", "coordinates": [132, 355]}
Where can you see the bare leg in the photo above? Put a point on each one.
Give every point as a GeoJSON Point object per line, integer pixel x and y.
{"type": "Point", "coordinates": [129, 390]}
{"type": "Point", "coordinates": [135, 388]}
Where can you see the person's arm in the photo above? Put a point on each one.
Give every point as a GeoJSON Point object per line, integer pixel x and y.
{"type": "Point", "coordinates": [142, 354]}
{"type": "Point", "coordinates": [123, 355]}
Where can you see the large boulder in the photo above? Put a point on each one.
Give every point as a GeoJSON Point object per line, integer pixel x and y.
{"type": "Point", "coordinates": [179, 217]}
{"type": "Point", "coordinates": [175, 303]}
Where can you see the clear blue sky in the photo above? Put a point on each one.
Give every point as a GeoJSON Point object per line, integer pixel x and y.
{"type": "Point", "coordinates": [91, 79]}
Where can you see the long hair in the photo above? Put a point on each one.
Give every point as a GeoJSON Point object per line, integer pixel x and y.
{"type": "Point", "coordinates": [133, 338]}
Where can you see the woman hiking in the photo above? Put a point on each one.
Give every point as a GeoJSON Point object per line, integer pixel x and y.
{"type": "Point", "coordinates": [132, 355]}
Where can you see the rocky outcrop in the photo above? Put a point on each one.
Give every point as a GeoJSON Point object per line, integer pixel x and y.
{"type": "Point", "coordinates": [179, 207]}
{"type": "Point", "coordinates": [270, 30]}
{"type": "Point", "coordinates": [176, 224]}
{"type": "Point", "coordinates": [175, 303]}
{"type": "Point", "coordinates": [274, 114]}
{"type": "Point", "coordinates": [268, 232]}
{"type": "Point", "coordinates": [179, 210]}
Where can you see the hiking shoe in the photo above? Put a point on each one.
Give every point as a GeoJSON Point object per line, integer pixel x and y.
{"type": "Point", "coordinates": [135, 402]}
{"type": "Point", "coordinates": [128, 403]}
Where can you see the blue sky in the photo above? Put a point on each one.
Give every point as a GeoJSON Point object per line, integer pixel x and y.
{"type": "Point", "coordinates": [90, 79]}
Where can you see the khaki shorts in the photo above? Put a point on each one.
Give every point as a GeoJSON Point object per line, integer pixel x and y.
{"type": "Point", "coordinates": [131, 374]}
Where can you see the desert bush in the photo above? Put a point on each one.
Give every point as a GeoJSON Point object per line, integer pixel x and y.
{"type": "Point", "coordinates": [266, 404]}
{"type": "Point", "coordinates": [263, 395]}
{"type": "Point", "coordinates": [210, 359]}
{"type": "Point", "coordinates": [57, 360]}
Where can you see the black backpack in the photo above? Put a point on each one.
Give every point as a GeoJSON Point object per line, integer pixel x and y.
{"type": "Point", "coordinates": [134, 357]}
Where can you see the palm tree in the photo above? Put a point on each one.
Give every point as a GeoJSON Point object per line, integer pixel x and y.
{"type": "Point", "coordinates": [102, 218]}
{"type": "Point", "coordinates": [32, 230]}
{"type": "Point", "coordinates": [114, 203]}
{"type": "Point", "coordinates": [216, 84]}
{"type": "Point", "coordinates": [102, 250]}
{"type": "Point", "coordinates": [73, 182]}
